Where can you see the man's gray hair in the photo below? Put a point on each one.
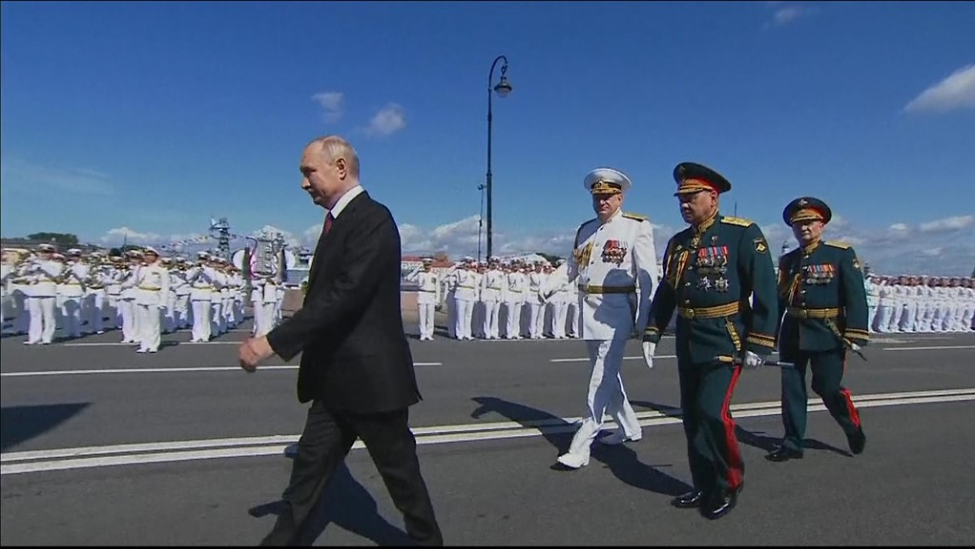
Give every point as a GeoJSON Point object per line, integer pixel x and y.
{"type": "Point", "coordinates": [334, 147]}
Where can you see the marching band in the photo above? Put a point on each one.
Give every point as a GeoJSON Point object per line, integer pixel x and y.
{"type": "Point", "coordinates": [143, 295]}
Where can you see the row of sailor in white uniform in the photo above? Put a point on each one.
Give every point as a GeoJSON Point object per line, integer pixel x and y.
{"type": "Point", "coordinates": [920, 304]}
{"type": "Point", "coordinates": [494, 300]}
{"type": "Point", "coordinates": [143, 297]}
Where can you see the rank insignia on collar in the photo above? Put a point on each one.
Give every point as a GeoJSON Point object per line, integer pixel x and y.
{"type": "Point", "coordinates": [760, 245]}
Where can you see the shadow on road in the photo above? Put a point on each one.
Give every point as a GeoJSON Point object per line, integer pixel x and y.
{"type": "Point", "coordinates": [21, 423]}
{"type": "Point", "coordinates": [347, 504]}
{"type": "Point", "coordinates": [621, 460]}
{"type": "Point", "coordinates": [755, 439]}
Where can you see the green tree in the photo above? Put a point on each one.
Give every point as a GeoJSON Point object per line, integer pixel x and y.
{"type": "Point", "coordinates": [65, 239]}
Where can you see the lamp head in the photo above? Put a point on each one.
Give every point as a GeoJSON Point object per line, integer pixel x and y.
{"type": "Point", "coordinates": [503, 88]}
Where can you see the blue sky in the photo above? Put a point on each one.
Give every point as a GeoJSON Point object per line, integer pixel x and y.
{"type": "Point", "coordinates": [149, 118]}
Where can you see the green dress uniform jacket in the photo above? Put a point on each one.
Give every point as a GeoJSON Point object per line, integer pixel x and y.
{"type": "Point", "coordinates": [721, 281]}
{"type": "Point", "coordinates": [822, 295]}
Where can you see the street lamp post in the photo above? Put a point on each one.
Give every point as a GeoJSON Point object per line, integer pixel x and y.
{"type": "Point", "coordinates": [480, 221]}
{"type": "Point", "coordinates": [503, 88]}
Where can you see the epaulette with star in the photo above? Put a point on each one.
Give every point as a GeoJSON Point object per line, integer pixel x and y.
{"type": "Point", "coordinates": [739, 221]}
{"type": "Point", "coordinates": [838, 244]}
{"type": "Point", "coordinates": [635, 216]}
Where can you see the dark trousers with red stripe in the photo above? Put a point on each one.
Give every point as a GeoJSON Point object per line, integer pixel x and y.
{"type": "Point", "coordinates": [827, 382]}
{"type": "Point", "coordinates": [712, 447]}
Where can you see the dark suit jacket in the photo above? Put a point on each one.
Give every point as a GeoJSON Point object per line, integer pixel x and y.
{"type": "Point", "coordinates": [350, 328]}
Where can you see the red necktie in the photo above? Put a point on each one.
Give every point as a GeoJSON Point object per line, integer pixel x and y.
{"type": "Point", "coordinates": [328, 222]}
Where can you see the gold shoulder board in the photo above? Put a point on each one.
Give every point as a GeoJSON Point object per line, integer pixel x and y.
{"type": "Point", "coordinates": [837, 244]}
{"type": "Point", "coordinates": [635, 216]}
{"type": "Point", "coordinates": [740, 221]}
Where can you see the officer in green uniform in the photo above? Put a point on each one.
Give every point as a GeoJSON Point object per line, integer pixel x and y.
{"type": "Point", "coordinates": [719, 275]}
{"type": "Point", "coordinates": [821, 292]}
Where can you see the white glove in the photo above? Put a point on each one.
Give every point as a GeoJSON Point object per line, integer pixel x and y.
{"type": "Point", "coordinates": [854, 347]}
{"type": "Point", "coordinates": [648, 350]}
{"type": "Point", "coordinates": [752, 360]}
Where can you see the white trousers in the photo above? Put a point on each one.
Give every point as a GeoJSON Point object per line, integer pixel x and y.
{"type": "Point", "coordinates": [95, 312]}
{"type": "Point", "coordinates": [71, 313]}
{"type": "Point", "coordinates": [928, 319]}
{"type": "Point", "coordinates": [181, 311]}
{"type": "Point", "coordinates": [906, 323]}
{"type": "Point", "coordinates": [536, 317]}
{"type": "Point", "coordinates": [512, 329]}
{"type": "Point", "coordinates": [218, 323]}
{"type": "Point", "coordinates": [130, 321]}
{"type": "Point", "coordinates": [966, 318]}
{"type": "Point", "coordinates": [202, 328]}
{"type": "Point", "coordinates": [492, 310]}
{"type": "Point", "coordinates": [462, 324]}
{"type": "Point", "coordinates": [560, 310]}
{"type": "Point", "coordinates": [606, 395]}
{"type": "Point", "coordinates": [42, 319]}
{"type": "Point", "coordinates": [150, 326]}
{"type": "Point", "coordinates": [21, 313]}
{"type": "Point", "coordinates": [426, 312]}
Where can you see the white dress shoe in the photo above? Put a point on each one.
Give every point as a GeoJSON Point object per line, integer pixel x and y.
{"type": "Point", "coordinates": [573, 461]}
{"type": "Point", "coordinates": [617, 438]}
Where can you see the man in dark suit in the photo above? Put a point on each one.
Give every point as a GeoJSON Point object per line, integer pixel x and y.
{"type": "Point", "coordinates": [356, 367]}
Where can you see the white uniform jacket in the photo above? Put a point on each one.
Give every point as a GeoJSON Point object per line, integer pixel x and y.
{"type": "Point", "coordinates": [614, 265]}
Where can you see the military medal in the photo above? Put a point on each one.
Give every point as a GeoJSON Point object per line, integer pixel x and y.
{"type": "Point", "coordinates": [721, 284]}
{"type": "Point", "coordinates": [704, 284]}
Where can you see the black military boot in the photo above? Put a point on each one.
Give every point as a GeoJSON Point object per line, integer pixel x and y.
{"type": "Point", "coordinates": [688, 500]}
{"type": "Point", "coordinates": [857, 441]}
{"type": "Point", "coordinates": [781, 453]}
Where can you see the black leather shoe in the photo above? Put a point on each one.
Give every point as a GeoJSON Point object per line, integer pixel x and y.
{"type": "Point", "coordinates": [781, 453]}
{"type": "Point", "coordinates": [720, 504]}
{"type": "Point", "coordinates": [688, 500]}
{"type": "Point", "coordinates": [857, 441]}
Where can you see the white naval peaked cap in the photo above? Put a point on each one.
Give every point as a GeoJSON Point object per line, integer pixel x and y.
{"type": "Point", "coordinates": [202, 254]}
{"type": "Point", "coordinates": [606, 181]}
{"type": "Point", "coordinates": [151, 250]}
{"type": "Point", "coordinates": [74, 251]}
{"type": "Point", "coordinates": [46, 248]}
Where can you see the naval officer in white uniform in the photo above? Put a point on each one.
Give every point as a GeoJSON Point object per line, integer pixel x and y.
{"type": "Point", "coordinates": [614, 264]}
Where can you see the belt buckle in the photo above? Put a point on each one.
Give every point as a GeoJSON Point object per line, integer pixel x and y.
{"type": "Point", "coordinates": [805, 313]}
{"type": "Point", "coordinates": [690, 313]}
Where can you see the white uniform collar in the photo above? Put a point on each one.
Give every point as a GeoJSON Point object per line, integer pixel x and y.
{"type": "Point", "coordinates": [344, 200]}
{"type": "Point", "coordinates": [618, 213]}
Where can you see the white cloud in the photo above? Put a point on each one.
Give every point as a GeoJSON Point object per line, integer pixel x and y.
{"type": "Point", "coordinates": [938, 247]}
{"type": "Point", "coordinates": [786, 12]}
{"type": "Point", "coordinates": [332, 103]}
{"type": "Point", "coordinates": [389, 120]}
{"type": "Point", "coordinates": [948, 224]}
{"type": "Point", "coordinates": [27, 176]}
{"type": "Point", "coordinates": [312, 234]}
{"type": "Point", "coordinates": [125, 235]}
{"type": "Point", "coordinates": [957, 91]}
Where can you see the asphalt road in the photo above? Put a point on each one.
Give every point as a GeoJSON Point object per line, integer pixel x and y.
{"type": "Point", "coordinates": [101, 445]}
